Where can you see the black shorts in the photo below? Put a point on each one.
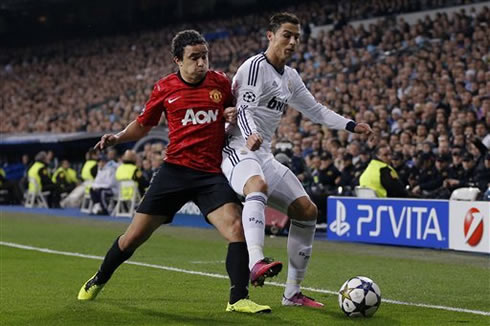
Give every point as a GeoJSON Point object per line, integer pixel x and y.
{"type": "Point", "coordinates": [174, 185]}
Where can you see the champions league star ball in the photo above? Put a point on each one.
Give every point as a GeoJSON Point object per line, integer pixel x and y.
{"type": "Point", "coordinates": [359, 296]}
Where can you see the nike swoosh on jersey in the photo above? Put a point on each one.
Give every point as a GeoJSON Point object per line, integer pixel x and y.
{"type": "Point", "coordinates": [171, 100]}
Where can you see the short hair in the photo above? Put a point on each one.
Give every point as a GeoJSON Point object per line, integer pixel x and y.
{"type": "Point", "coordinates": [41, 156]}
{"type": "Point", "coordinates": [277, 20]}
{"type": "Point", "coordinates": [183, 39]}
{"type": "Point", "coordinates": [379, 148]}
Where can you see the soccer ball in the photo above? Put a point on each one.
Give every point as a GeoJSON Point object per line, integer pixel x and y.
{"type": "Point", "coordinates": [359, 296]}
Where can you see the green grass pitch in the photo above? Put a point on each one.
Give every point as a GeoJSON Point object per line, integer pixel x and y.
{"type": "Point", "coordinates": [39, 288]}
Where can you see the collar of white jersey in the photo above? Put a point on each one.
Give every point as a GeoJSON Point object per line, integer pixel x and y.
{"type": "Point", "coordinates": [280, 72]}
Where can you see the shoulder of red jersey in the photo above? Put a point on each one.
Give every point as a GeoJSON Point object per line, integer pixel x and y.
{"type": "Point", "coordinates": [160, 85]}
{"type": "Point", "coordinates": [219, 76]}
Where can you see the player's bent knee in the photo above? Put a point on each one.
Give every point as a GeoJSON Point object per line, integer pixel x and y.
{"type": "Point", "coordinates": [227, 220]}
{"type": "Point", "coordinates": [312, 211]}
{"type": "Point", "coordinates": [303, 209]}
{"type": "Point", "coordinates": [129, 242]}
{"type": "Point", "coordinates": [255, 184]}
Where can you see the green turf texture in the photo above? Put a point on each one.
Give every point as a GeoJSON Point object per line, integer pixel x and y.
{"type": "Point", "coordinates": [40, 288]}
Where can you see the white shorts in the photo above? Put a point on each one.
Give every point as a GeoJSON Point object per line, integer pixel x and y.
{"type": "Point", "coordinates": [283, 186]}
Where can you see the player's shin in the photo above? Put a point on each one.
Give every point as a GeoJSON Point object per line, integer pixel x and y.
{"type": "Point", "coordinates": [300, 242]}
{"type": "Point", "coordinates": [237, 268]}
{"type": "Point", "coordinates": [112, 260]}
{"type": "Point", "coordinates": [253, 219]}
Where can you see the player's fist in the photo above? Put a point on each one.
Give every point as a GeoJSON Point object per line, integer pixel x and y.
{"type": "Point", "coordinates": [254, 141]}
{"type": "Point", "coordinates": [106, 141]}
{"type": "Point", "coordinates": [363, 128]}
{"type": "Point", "coordinates": [230, 114]}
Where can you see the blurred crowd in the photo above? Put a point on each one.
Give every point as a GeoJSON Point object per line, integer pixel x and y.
{"type": "Point", "coordinates": [424, 88]}
{"type": "Point", "coordinates": [64, 183]}
{"type": "Point", "coordinates": [101, 84]}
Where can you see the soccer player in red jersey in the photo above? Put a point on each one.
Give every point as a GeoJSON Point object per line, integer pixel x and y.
{"type": "Point", "coordinates": [195, 101]}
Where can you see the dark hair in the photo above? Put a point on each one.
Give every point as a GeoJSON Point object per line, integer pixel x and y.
{"type": "Point", "coordinates": [380, 147]}
{"type": "Point", "coordinates": [183, 39]}
{"type": "Point", "coordinates": [277, 20]}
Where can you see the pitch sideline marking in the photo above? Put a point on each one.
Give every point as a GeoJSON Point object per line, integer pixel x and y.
{"type": "Point", "coordinates": [180, 270]}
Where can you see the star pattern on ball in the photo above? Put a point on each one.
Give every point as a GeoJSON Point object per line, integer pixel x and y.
{"type": "Point", "coordinates": [346, 293]}
{"type": "Point", "coordinates": [366, 286]}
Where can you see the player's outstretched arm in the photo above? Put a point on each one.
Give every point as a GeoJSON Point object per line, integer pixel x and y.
{"type": "Point", "coordinates": [133, 131]}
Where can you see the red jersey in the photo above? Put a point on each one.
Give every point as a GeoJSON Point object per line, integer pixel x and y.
{"type": "Point", "coordinates": [195, 118]}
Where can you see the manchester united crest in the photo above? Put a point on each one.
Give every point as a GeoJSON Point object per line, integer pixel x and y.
{"type": "Point", "coordinates": [215, 95]}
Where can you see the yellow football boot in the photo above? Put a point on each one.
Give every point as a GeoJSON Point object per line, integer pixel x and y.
{"type": "Point", "coordinates": [90, 289]}
{"type": "Point", "coordinates": [248, 306]}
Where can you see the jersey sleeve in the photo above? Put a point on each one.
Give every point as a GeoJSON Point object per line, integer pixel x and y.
{"type": "Point", "coordinates": [247, 90]}
{"type": "Point", "coordinates": [303, 101]}
{"type": "Point", "coordinates": [152, 112]}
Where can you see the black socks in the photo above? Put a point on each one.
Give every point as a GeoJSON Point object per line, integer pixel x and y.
{"type": "Point", "coordinates": [237, 268]}
{"type": "Point", "coordinates": [112, 260]}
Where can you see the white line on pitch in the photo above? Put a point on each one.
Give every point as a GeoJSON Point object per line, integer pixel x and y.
{"type": "Point", "coordinates": [174, 269]}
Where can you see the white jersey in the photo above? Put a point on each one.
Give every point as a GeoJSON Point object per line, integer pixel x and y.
{"type": "Point", "coordinates": [262, 95]}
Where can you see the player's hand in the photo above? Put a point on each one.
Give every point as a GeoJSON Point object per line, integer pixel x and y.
{"type": "Point", "coordinates": [254, 141]}
{"type": "Point", "coordinates": [230, 114]}
{"type": "Point", "coordinates": [106, 141]}
{"type": "Point", "coordinates": [363, 128]}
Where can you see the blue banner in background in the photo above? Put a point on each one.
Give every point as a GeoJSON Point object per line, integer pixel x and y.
{"type": "Point", "coordinates": [417, 223]}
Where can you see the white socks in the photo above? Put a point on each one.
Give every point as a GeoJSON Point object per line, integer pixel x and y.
{"type": "Point", "coordinates": [300, 242]}
{"type": "Point", "coordinates": [253, 219]}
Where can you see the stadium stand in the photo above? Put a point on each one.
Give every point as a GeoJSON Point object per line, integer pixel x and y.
{"type": "Point", "coordinates": [423, 87]}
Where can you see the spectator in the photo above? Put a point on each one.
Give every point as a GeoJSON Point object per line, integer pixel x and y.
{"type": "Point", "coordinates": [65, 177]}
{"type": "Point", "coordinates": [38, 173]}
{"type": "Point", "coordinates": [361, 164]}
{"type": "Point", "coordinates": [104, 186]}
{"type": "Point", "coordinates": [456, 171]}
{"type": "Point", "coordinates": [381, 177]}
{"type": "Point", "coordinates": [482, 175]}
{"type": "Point", "coordinates": [14, 195]}
{"type": "Point", "coordinates": [51, 161]}
{"type": "Point", "coordinates": [427, 175]}
{"type": "Point", "coordinates": [347, 175]}
{"type": "Point", "coordinates": [469, 175]}
{"type": "Point", "coordinates": [129, 171]}
{"type": "Point", "coordinates": [325, 180]}
{"type": "Point", "coordinates": [89, 168]}
{"type": "Point", "coordinates": [328, 176]}
{"type": "Point", "coordinates": [156, 161]}
{"type": "Point", "coordinates": [147, 170]}
{"type": "Point", "coordinates": [481, 132]}
{"type": "Point", "coordinates": [433, 188]}
{"type": "Point", "coordinates": [401, 167]}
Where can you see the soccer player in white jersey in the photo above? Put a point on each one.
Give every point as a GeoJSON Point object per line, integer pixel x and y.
{"type": "Point", "coordinates": [263, 87]}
